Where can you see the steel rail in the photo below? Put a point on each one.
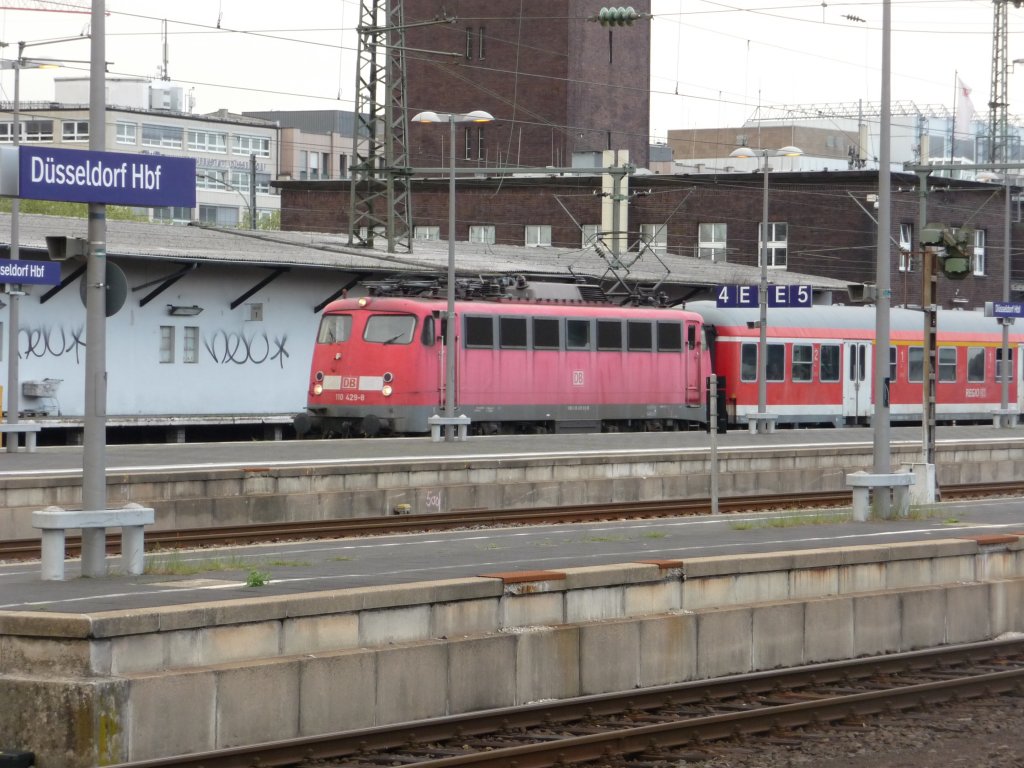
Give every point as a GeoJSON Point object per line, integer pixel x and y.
{"type": "Point", "coordinates": [677, 732]}
{"type": "Point", "coordinates": [392, 524]}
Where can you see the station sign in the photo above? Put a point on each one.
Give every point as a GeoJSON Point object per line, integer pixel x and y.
{"type": "Point", "coordinates": [745, 296]}
{"type": "Point", "coordinates": [1004, 309]}
{"type": "Point", "coordinates": [115, 178]}
{"type": "Point", "coordinates": [30, 272]}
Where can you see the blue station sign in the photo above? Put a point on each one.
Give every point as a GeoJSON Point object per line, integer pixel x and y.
{"type": "Point", "coordinates": [29, 272]}
{"type": "Point", "coordinates": [745, 296]}
{"type": "Point", "coordinates": [1004, 309]}
{"type": "Point", "coordinates": [115, 178]}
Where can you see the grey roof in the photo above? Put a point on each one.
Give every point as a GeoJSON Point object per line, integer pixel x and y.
{"type": "Point", "coordinates": [331, 251]}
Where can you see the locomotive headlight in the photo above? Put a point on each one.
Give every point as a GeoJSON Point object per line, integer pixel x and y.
{"type": "Point", "coordinates": [318, 389]}
{"type": "Point", "coordinates": [364, 301]}
{"type": "Point", "coordinates": [388, 378]}
{"type": "Point", "coordinates": [386, 390]}
{"type": "Point", "coordinates": [318, 376]}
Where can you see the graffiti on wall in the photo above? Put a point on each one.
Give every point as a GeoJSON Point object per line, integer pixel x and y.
{"type": "Point", "coordinates": [232, 347]}
{"type": "Point", "coordinates": [57, 341]}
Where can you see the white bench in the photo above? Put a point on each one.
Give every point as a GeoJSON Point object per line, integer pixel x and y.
{"type": "Point", "coordinates": [26, 428]}
{"type": "Point", "coordinates": [1005, 417]}
{"type": "Point", "coordinates": [436, 422]}
{"type": "Point", "coordinates": [55, 522]}
{"type": "Point", "coordinates": [756, 420]}
{"type": "Point", "coordinates": [863, 483]}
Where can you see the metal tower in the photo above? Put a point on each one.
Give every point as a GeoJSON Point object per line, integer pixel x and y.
{"type": "Point", "coordinates": [998, 123]}
{"type": "Point", "coordinates": [379, 199]}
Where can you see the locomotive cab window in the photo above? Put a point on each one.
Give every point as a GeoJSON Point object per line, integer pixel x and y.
{"type": "Point", "coordinates": [639, 335]}
{"type": "Point", "coordinates": [803, 357]}
{"type": "Point", "coordinates": [609, 335]}
{"type": "Point", "coordinates": [480, 332]}
{"type": "Point", "coordinates": [390, 329]}
{"type": "Point", "coordinates": [577, 334]}
{"type": "Point", "coordinates": [670, 337]}
{"type": "Point", "coordinates": [334, 329]}
{"type": "Point", "coordinates": [546, 333]}
{"type": "Point", "coordinates": [512, 332]}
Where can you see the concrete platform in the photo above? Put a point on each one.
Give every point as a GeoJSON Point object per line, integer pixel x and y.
{"type": "Point", "coordinates": [352, 634]}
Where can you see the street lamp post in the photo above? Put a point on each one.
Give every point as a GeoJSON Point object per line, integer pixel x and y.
{"type": "Point", "coordinates": [762, 294]}
{"type": "Point", "coordinates": [477, 116]}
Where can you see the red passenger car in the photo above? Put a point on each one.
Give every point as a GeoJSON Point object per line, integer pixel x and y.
{"type": "Point", "coordinates": [523, 363]}
{"type": "Point", "coordinates": [820, 360]}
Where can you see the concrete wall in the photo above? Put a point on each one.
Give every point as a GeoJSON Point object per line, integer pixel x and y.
{"type": "Point", "coordinates": [237, 497]}
{"type": "Point", "coordinates": [356, 658]}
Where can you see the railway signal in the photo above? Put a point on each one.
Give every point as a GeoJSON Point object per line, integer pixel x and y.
{"type": "Point", "coordinates": [956, 249]}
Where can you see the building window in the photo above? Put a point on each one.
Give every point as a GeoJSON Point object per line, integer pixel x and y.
{"type": "Point", "coordinates": [711, 241]}
{"type": "Point", "coordinates": [591, 234]}
{"type": "Point", "coordinates": [469, 43]}
{"type": "Point", "coordinates": [127, 133]}
{"type": "Point", "coordinates": [190, 354]}
{"type": "Point", "coordinates": [342, 166]}
{"type": "Point", "coordinates": [219, 215]}
{"type": "Point", "coordinates": [538, 235]}
{"type": "Point", "coordinates": [240, 180]}
{"type": "Point", "coordinates": [778, 233]}
{"type": "Point", "coordinates": [35, 131]}
{"type": "Point", "coordinates": [250, 145]}
{"type": "Point", "coordinates": [978, 257]}
{"type": "Point", "coordinates": [480, 154]}
{"type": "Point", "coordinates": [165, 136]}
{"type": "Point", "coordinates": [481, 233]}
{"type": "Point", "coordinates": [655, 237]}
{"type": "Point", "coordinates": [166, 343]}
{"type": "Point", "coordinates": [481, 36]}
{"type": "Point", "coordinates": [906, 247]}
{"type": "Point", "coordinates": [74, 130]}
{"type": "Point", "coordinates": [208, 141]}
{"type": "Point", "coordinates": [172, 214]}
{"type": "Point", "coordinates": [426, 233]}
{"type": "Point", "coordinates": [468, 143]}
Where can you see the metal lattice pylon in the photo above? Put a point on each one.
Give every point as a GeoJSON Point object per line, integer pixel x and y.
{"type": "Point", "coordinates": [998, 105]}
{"type": "Point", "coordinates": [379, 200]}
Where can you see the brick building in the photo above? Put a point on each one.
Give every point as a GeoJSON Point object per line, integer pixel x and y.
{"type": "Point", "coordinates": [556, 82]}
{"type": "Point", "coordinates": [821, 223]}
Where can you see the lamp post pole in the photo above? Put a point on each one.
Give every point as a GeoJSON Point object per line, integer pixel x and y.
{"type": "Point", "coordinates": [449, 335]}
{"type": "Point", "coordinates": [762, 295]}
{"type": "Point", "coordinates": [13, 395]}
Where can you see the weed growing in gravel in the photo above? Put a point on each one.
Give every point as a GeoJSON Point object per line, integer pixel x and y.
{"type": "Point", "coordinates": [175, 564]}
{"type": "Point", "coordinates": [791, 522]}
{"type": "Point", "coordinates": [257, 579]}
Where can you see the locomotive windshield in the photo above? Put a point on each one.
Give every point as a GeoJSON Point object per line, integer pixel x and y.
{"type": "Point", "coordinates": [334, 329]}
{"type": "Point", "coordinates": [390, 329]}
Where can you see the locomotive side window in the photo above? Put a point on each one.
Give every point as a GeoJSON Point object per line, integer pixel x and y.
{"type": "Point", "coordinates": [390, 329]}
{"type": "Point", "coordinates": [915, 364]}
{"type": "Point", "coordinates": [428, 335]}
{"type": "Point", "coordinates": [670, 337]}
{"type": "Point", "coordinates": [334, 329]}
{"type": "Point", "coordinates": [748, 362]}
{"type": "Point", "coordinates": [480, 332]}
{"type": "Point", "coordinates": [639, 335]}
{"type": "Point", "coordinates": [512, 332]}
{"type": "Point", "coordinates": [828, 363]}
{"type": "Point", "coordinates": [803, 357]}
{"type": "Point", "coordinates": [947, 363]}
{"type": "Point", "coordinates": [609, 335]}
{"type": "Point", "coordinates": [999, 364]}
{"type": "Point", "coordinates": [775, 368]}
{"type": "Point", "coordinates": [577, 334]}
{"type": "Point", "coordinates": [546, 333]}
{"type": "Point", "coordinates": [975, 364]}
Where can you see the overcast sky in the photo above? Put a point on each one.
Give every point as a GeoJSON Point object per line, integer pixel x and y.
{"type": "Point", "coordinates": [712, 64]}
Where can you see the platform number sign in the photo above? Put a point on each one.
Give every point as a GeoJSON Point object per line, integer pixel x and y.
{"type": "Point", "coordinates": [745, 296]}
{"type": "Point", "coordinates": [577, 378]}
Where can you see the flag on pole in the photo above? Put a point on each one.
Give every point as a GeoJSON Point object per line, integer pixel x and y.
{"type": "Point", "coordinates": [964, 108]}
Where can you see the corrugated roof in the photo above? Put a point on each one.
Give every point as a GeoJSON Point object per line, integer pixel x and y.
{"type": "Point", "coordinates": [331, 251]}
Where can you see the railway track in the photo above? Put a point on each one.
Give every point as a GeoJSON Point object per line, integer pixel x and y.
{"type": "Point", "coordinates": [185, 538]}
{"type": "Point", "coordinates": [656, 723]}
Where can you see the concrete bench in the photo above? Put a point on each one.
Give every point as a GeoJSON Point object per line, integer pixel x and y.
{"type": "Point", "coordinates": [55, 522]}
{"type": "Point", "coordinates": [756, 420]}
{"type": "Point", "coordinates": [863, 483]}
{"type": "Point", "coordinates": [437, 422]}
{"type": "Point", "coordinates": [27, 428]}
{"type": "Point", "coordinates": [1005, 417]}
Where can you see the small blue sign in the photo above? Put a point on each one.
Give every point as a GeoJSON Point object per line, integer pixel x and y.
{"type": "Point", "coordinates": [745, 296]}
{"type": "Point", "coordinates": [34, 272]}
{"type": "Point", "coordinates": [1004, 309]}
{"type": "Point", "coordinates": [116, 178]}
